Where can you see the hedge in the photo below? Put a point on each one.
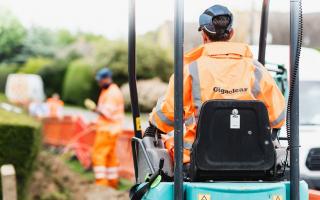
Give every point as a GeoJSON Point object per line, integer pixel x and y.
{"type": "Point", "coordinates": [5, 70]}
{"type": "Point", "coordinates": [79, 83]}
{"type": "Point", "coordinates": [34, 65]}
{"type": "Point", "coordinates": [53, 76]}
{"type": "Point", "coordinates": [152, 60]}
{"type": "Point", "coordinates": [19, 145]}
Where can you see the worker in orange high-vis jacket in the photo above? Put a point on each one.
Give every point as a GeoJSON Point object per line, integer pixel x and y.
{"type": "Point", "coordinates": [109, 125]}
{"type": "Point", "coordinates": [55, 106]}
{"type": "Point", "coordinates": [218, 69]}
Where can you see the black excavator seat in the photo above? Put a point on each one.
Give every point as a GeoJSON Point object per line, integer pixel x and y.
{"type": "Point", "coordinates": [234, 142]}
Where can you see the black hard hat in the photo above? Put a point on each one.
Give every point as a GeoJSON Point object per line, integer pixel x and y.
{"type": "Point", "coordinates": [206, 19]}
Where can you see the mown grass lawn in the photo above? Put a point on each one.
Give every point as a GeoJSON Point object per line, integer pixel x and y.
{"type": "Point", "coordinates": [11, 118]}
{"type": "Point", "coordinates": [3, 97]}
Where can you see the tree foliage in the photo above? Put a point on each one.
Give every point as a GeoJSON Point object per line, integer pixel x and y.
{"type": "Point", "coordinates": [39, 42]}
{"type": "Point", "coordinates": [67, 62]}
{"type": "Point", "coordinates": [152, 60]}
{"type": "Point", "coordinates": [12, 34]}
{"type": "Point", "coordinates": [64, 37]}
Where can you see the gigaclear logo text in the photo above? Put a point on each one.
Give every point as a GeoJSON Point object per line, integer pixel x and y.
{"type": "Point", "coordinates": [231, 91]}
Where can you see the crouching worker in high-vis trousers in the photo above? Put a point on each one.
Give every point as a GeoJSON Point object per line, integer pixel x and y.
{"type": "Point", "coordinates": [109, 125]}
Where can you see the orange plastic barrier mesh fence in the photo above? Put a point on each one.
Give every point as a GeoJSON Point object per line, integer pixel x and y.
{"type": "Point", "coordinates": [125, 154]}
{"type": "Point", "coordinates": [75, 135]}
{"type": "Point", "coordinates": [82, 144]}
{"type": "Point", "coordinates": [59, 132]}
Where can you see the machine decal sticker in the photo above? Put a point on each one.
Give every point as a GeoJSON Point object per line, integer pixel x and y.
{"type": "Point", "coordinates": [204, 197]}
{"type": "Point", "coordinates": [138, 123]}
{"type": "Point", "coordinates": [235, 119]}
{"type": "Point", "coordinates": [277, 197]}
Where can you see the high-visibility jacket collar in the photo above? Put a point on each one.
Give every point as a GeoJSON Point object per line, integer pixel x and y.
{"type": "Point", "coordinates": [219, 50]}
{"type": "Point", "coordinates": [108, 89]}
{"type": "Point", "coordinates": [227, 48]}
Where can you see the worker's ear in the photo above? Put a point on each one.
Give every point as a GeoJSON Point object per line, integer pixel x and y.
{"type": "Point", "coordinates": [205, 38]}
{"type": "Point", "coordinates": [231, 34]}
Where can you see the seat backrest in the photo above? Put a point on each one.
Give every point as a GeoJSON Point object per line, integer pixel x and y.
{"type": "Point", "coordinates": [233, 139]}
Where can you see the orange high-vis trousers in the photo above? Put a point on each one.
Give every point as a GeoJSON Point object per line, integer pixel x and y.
{"type": "Point", "coordinates": [105, 162]}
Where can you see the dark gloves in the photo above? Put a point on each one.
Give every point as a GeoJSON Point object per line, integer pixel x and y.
{"type": "Point", "coordinates": [152, 131]}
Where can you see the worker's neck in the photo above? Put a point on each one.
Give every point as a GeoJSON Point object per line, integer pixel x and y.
{"type": "Point", "coordinates": [210, 41]}
{"type": "Point", "coordinates": [106, 86]}
{"type": "Point", "coordinates": [207, 41]}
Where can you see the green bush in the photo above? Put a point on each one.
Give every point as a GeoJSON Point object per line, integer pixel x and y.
{"type": "Point", "coordinates": [152, 60]}
{"type": "Point", "coordinates": [19, 145]}
{"type": "Point", "coordinates": [53, 76]}
{"type": "Point", "coordinates": [34, 65]}
{"type": "Point", "coordinates": [79, 82]}
{"type": "Point", "coordinates": [115, 56]}
{"type": "Point", "coordinates": [5, 70]}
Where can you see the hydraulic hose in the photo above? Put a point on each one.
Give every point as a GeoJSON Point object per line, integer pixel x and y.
{"type": "Point", "coordinates": [296, 31]}
{"type": "Point", "coordinates": [293, 74]}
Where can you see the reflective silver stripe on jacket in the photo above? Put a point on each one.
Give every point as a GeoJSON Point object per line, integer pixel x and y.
{"type": "Point", "coordinates": [153, 121]}
{"type": "Point", "coordinates": [281, 117]}
{"type": "Point", "coordinates": [170, 134]}
{"type": "Point", "coordinates": [164, 118]}
{"type": "Point", "coordinates": [190, 121]}
{"type": "Point", "coordinates": [258, 73]}
{"type": "Point", "coordinates": [196, 91]}
{"type": "Point", "coordinates": [187, 145]}
{"type": "Point", "coordinates": [158, 106]}
{"type": "Point", "coordinates": [161, 115]}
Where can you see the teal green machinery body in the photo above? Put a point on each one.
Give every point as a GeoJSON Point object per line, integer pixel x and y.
{"type": "Point", "coordinates": [229, 191]}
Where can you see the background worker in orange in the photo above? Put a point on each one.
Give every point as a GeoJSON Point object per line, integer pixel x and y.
{"type": "Point", "coordinates": [111, 114]}
{"type": "Point", "coordinates": [218, 69]}
{"type": "Point", "coordinates": [55, 106]}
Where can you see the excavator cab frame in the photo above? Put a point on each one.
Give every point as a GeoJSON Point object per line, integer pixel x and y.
{"type": "Point", "coordinates": [160, 167]}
